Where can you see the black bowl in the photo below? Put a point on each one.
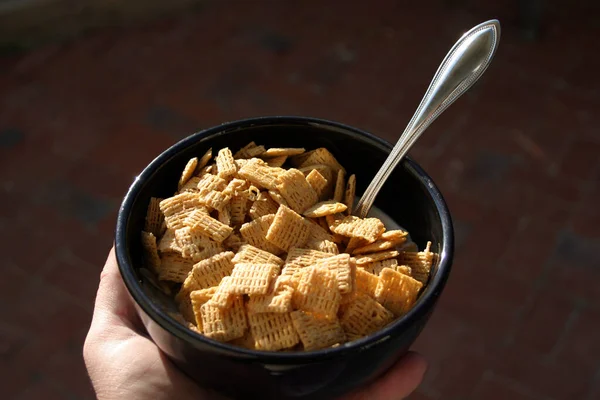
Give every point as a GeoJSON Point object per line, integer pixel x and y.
{"type": "Point", "coordinates": [409, 197]}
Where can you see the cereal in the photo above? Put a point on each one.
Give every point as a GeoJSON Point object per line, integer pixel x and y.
{"type": "Point", "coordinates": [204, 223]}
{"type": "Point", "coordinates": [340, 264]}
{"type": "Point", "coordinates": [261, 175]}
{"type": "Point", "coordinates": [225, 164]}
{"type": "Point", "coordinates": [340, 187]}
{"type": "Point", "coordinates": [218, 246]}
{"type": "Point", "coordinates": [296, 191]}
{"type": "Point", "coordinates": [263, 205]}
{"type": "Point", "coordinates": [174, 268]}
{"type": "Point", "coordinates": [365, 228]}
{"type": "Point", "coordinates": [188, 171]}
{"type": "Point", "coordinates": [272, 331]}
{"type": "Point", "coordinates": [350, 193]}
{"type": "Point", "coordinates": [224, 324]}
{"type": "Point", "coordinates": [324, 208]}
{"type": "Point", "coordinates": [255, 233]}
{"type": "Point", "coordinates": [382, 255]}
{"type": "Point", "coordinates": [252, 279]}
{"type": "Point", "coordinates": [239, 206]}
{"type": "Point", "coordinates": [386, 241]}
{"type": "Point", "coordinates": [276, 162]}
{"type": "Point", "coordinates": [195, 245]}
{"type": "Point", "coordinates": [376, 267]}
{"type": "Point", "coordinates": [210, 182]}
{"type": "Point", "coordinates": [317, 291]}
{"type": "Point", "coordinates": [150, 251]}
{"type": "Point", "coordinates": [208, 273]}
{"type": "Point", "coordinates": [278, 152]}
{"type": "Point", "coordinates": [252, 255]}
{"type": "Point", "coordinates": [397, 292]}
{"type": "Point", "coordinates": [288, 229]}
{"type": "Point", "coordinates": [316, 332]}
{"type": "Point", "coordinates": [154, 217]}
{"type": "Point", "coordinates": [318, 182]}
{"type": "Point", "coordinates": [420, 263]}
{"type": "Point", "coordinates": [204, 160]}
{"type": "Point", "coordinates": [364, 316]}
{"type": "Point", "coordinates": [279, 301]}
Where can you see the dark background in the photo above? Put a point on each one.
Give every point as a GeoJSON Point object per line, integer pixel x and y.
{"type": "Point", "coordinates": [517, 159]}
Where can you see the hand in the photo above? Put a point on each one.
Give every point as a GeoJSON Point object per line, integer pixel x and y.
{"type": "Point", "coordinates": [123, 363]}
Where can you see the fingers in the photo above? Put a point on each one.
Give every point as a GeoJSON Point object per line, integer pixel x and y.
{"type": "Point", "coordinates": [113, 305]}
{"type": "Point", "coordinates": [403, 378]}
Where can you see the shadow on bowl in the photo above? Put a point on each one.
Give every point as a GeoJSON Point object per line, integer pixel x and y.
{"type": "Point", "coordinates": [409, 197]}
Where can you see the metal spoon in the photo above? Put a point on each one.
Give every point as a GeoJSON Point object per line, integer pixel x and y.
{"type": "Point", "coordinates": [464, 64]}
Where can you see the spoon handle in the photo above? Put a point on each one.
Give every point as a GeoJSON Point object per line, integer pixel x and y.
{"type": "Point", "coordinates": [461, 68]}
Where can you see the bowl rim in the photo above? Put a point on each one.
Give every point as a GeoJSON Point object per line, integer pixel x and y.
{"type": "Point", "coordinates": [423, 305]}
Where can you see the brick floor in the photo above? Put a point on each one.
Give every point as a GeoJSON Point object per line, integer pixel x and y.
{"type": "Point", "coordinates": [517, 159]}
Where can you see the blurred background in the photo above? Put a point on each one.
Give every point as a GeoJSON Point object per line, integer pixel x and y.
{"type": "Point", "coordinates": [91, 91]}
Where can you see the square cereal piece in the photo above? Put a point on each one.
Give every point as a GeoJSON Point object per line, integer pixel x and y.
{"type": "Point", "coordinates": [326, 246]}
{"type": "Point", "coordinates": [376, 267]}
{"type": "Point", "coordinates": [276, 162]}
{"type": "Point", "coordinates": [225, 163]}
{"type": "Point", "coordinates": [272, 331]}
{"type": "Point", "coordinates": [263, 205]}
{"type": "Point", "coordinates": [278, 301]}
{"type": "Point", "coordinates": [278, 152]}
{"type": "Point", "coordinates": [365, 282]}
{"type": "Point", "coordinates": [386, 241]}
{"type": "Point", "coordinates": [370, 258]}
{"type": "Point", "coordinates": [177, 208]}
{"type": "Point", "coordinates": [420, 262]}
{"type": "Point", "coordinates": [364, 316]}
{"type": "Point", "coordinates": [195, 245]}
{"type": "Point", "coordinates": [224, 324]}
{"type": "Point", "coordinates": [194, 301]}
{"type": "Point", "coordinates": [224, 215]}
{"type": "Point", "coordinates": [213, 199]}
{"type": "Point", "coordinates": [168, 243]}
{"type": "Point", "coordinates": [255, 232]}
{"type": "Point", "coordinates": [340, 186]}
{"type": "Point", "coordinates": [355, 243]}
{"type": "Point", "coordinates": [236, 187]}
{"type": "Point", "coordinates": [296, 191]}
{"type": "Point", "coordinates": [222, 298]}
{"type": "Point", "coordinates": [288, 229]}
{"type": "Point", "coordinates": [151, 257]}
{"type": "Point", "coordinates": [203, 162]}
{"type": "Point", "coordinates": [239, 207]}
{"type": "Point", "coordinates": [316, 332]}
{"type": "Point", "coordinates": [318, 182]}
{"type": "Point", "coordinates": [210, 182]}
{"type": "Point", "coordinates": [154, 217]}
{"type": "Point", "coordinates": [248, 151]}
{"type": "Point", "coordinates": [324, 208]}
{"type": "Point", "coordinates": [253, 255]}
{"type": "Point", "coordinates": [207, 225]}
{"type": "Point", "coordinates": [350, 193]}
{"type": "Point", "coordinates": [397, 292]}
{"type": "Point", "coordinates": [343, 268]}
{"type": "Point", "coordinates": [317, 232]}
{"type": "Point", "coordinates": [305, 257]}
{"type": "Point", "coordinates": [317, 156]}
{"type": "Point", "coordinates": [252, 279]}
{"type": "Point", "coordinates": [369, 229]}
{"type": "Point", "coordinates": [317, 291]}
{"type": "Point", "coordinates": [174, 268]}
{"type": "Point", "coordinates": [188, 171]}
{"type": "Point", "coordinates": [327, 173]}
{"type": "Point", "coordinates": [208, 273]}
{"type": "Point", "coordinates": [260, 175]}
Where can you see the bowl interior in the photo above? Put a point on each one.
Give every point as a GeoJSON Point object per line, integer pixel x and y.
{"type": "Point", "coordinates": [408, 197]}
